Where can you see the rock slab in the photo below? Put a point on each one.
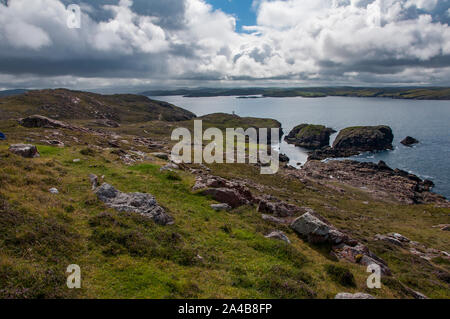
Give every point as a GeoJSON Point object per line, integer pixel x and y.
{"type": "Point", "coordinates": [141, 203]}
{"type": "Point", "coordinates": [24, 150]}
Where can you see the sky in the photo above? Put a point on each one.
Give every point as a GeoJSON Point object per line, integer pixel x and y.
{"type": "Point", "coordinates": [143, 44]}
{"type": "Point", "coordinates": [242, 10]}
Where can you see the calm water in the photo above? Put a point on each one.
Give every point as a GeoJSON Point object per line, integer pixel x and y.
{"type": "Point", "coordinates": [428, 121]}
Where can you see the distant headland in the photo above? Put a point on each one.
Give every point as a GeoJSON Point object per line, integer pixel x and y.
{"type": "Point", "coordinates": [412, 93]}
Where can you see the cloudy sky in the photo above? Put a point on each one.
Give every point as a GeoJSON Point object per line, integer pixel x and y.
{"type": "Point", "coordinates": [173, 43]}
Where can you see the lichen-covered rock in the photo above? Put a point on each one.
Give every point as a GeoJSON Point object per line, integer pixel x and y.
{"type": "Point", "coordinates": [364, 139]}
{"type": "Point", "coordinates": [144, 204]}
{"type": "Point", "coordinates": [279, 235]}
{"type": "Point", "coordinates": [317, 230]}
{"type": "Point", "coordinates": [310, 136]}
{"type": "Point", "coordinates": [24, 150]}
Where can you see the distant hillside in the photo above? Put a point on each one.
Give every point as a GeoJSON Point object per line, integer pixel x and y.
{"type": "Point", "coordinates": [67, 104]}
{"type": "Point", "coordinates": [431, 93]}
{"type": "Point", "coordinates": [12, 92]}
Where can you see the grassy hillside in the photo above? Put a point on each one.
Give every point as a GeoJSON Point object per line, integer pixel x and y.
{"type": "Point", "coordinates": [204, 254]}
{"type": "Point", "coordinates": [66, 104]}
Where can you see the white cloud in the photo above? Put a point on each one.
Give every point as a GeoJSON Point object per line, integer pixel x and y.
{"type": "Point", "coordinates": [305, 41]}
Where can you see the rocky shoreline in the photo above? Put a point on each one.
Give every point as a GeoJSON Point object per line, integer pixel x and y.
{"type": "Point", "coordinates": [379, 180]}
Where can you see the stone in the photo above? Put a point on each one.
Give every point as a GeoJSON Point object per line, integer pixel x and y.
{"type": "Point", "coordinates": [233, 193]}
{"type": "Point", "coordinates": [54, 143]}
{"type": "Point", "coordinates": [162, 156]}
{"type": "Point", "coordinates": [94, 181]}
{"type": "Point", "coordinates": [140, 203]}
{"type": "Point", "coordinates": [278, 209]}
{"type": "Point", "coordinates": [272, 219]}
{"type": "Point", "coordinates": [360, 254]}
{"type": "Point", "coordinates": [359, 295]}
{"type": "Point", "coordinates": [53, 190]}
{"type": "Point", "coordinates": [444, 227]}
{"type": "Point", "coordinates": [114, 144]}
{"type": "Point", "coordinates": [317, 230]}
{"type": "Point", "coordinates": [35, 121]}
{"type": "Point", "coordinates": [228, 196]}
{"type": "Point", "coordinates": [279, 235]}
{"type": "Point", "coordinates": [76, 160]}
{"type": "Point", "coordinates": [399, 237]}
{"type": "Point", "coordinates": [219, 207]}
{"type": "Point", "coordinates": [409, 141]}
{"type": "Point", "coordinates": [24, 150]}
{"type": "Point", "coordinates": [388, 239]}
{"type": "Point", "coordinates": [169, 167]}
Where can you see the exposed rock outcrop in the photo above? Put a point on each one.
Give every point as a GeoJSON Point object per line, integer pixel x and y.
{"type": "Point", "coordinates": [379, 180]}
{"type": "Point", "coordinates": [310, 136]}
{"type": "Point", "coordinates": [316, 229]}
{"type": "Point", "coordinates": [228, 196]}
{"type": "Point", "coordinates": [41, 121]}
{"type": "Point", "coordinates": [408, 141]}
{"type": "Point", "coordinates": [141, 203]}
{"type": "Point", "coordinates": [413, 247]}
{"type": "Point", "coordinates": [364, 138]}
{"type": "Point", "coordinates": [354, 140]}
{"type": "Point", "coordinates": [277, 208]}
{"type": "Point", "coordinates": [24, 150]}
{"type": "Point", "coordinates": [233, 193]}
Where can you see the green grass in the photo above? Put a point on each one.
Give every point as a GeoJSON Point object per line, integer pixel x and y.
{"type": "Point", "coordinates": [205, 254]}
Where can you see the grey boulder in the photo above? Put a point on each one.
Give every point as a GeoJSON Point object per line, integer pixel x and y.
{"type": "Point", "coordinates": [219, 207]}
{"type": "Point", "coordinates": [141, 203]}
{"type": "Point", "coordinates": [317, 230]}
{"type": "Point", "coordinates": [24, 150]}
{"type": "Point", "coordinates": [279, 235]}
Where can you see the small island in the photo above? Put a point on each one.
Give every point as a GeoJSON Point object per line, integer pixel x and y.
{"type": "Point", "coordinates": [310, 136]}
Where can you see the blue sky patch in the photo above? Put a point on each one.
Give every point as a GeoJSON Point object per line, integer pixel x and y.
{"type": "Point", "coordinates": [241, 9]}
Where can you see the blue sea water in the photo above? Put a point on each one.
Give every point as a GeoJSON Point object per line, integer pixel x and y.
{"type": "Point", "coordinates": [427, 121]}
